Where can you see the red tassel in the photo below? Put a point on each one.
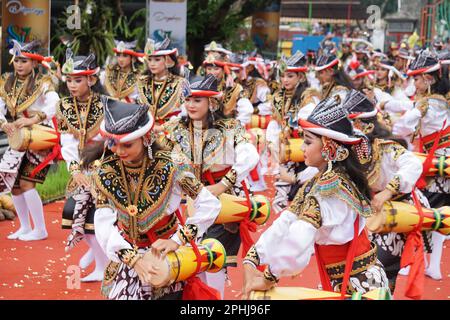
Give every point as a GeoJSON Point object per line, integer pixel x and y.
{"type": "Point", "coordinates": [195, 289]}
{"type": "Point", "coordinates": [254, 174]}
{"type": "Point", "coordinates": [244, 229]}
{"type": "Point", "coordinates": [413, 256]}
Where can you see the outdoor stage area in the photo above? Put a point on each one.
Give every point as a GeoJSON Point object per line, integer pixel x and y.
{"type": "Point", "coordinates": [37, 270]}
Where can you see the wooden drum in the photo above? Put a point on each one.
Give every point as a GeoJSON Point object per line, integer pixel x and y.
{"type": "Point", "coordinates": [402, 217]}
{"type": "Point", "coordinates": [291, 150]}
{"type": "Point", "coordinates": [35, 138]}
{"type": "Point", "coordinates": [182, 263]}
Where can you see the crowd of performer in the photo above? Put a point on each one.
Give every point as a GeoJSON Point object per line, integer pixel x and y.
{"type": "Point", "coordinates": [163, 158]}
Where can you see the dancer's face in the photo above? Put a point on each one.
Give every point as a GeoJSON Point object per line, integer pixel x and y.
{"type": "Point", "coordinates": [124, 60]}
{"type": "Point", "coordinates": [421, 83]}
{"type": "Point", "coordinates": [381, 73]}
{"type": "Point", "coordinates": [289, 80]}
{"type": "Point", "coordinates": [197, 108]}
{"type": "Point", "coordinates": [215, 71]}
{"type": "Point", "coordinates": [132, 151]}
{"type": "Point", "coordinates": [78, 86]}
{"type": "Point", "coordinates": [23, 66]}
{"type": "Point", "coordinates": [312, 150]}
{"type": "Point", "coordinates": [157, 64]}
{"type": "Point", "coordinates": [357, 83]}
{"type": "Point", "coordinates": [324, 76]}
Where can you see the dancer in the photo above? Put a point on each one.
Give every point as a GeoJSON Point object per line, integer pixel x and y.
{"type": "Point", "coordinates": [328, 214]}
{"type": "Point", "coordinates": [120, 77]}
{"type": "Point", "coordinates": [223, 158]}
{"type": "Point", "coordinates": [392, 173]}
{"type": "Point", "coordinates": [332, 78]}
{"type": "Point", "coordinates": [138, 192]}
{"type": "Point", "coordinates": [293, 102]}
{"type": "Point", "coordinates": [161, 88]}
{"type": "Point", "coordinates": [79, 118]}
{"type": "Point", "coordinates": [427, 121]}
{"type": "Point", "coordinates": [27, 98]}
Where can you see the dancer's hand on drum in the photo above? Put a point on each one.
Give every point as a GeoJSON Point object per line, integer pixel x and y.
{"type": "Point", "coordinates": [254, 280]}
{"type": "Point", "coordinates": [24, 122]}
{"type": "Point", "coordinates": [217, 189]}
{"type": "Point", "coordinates": [81, 180]}
{"type": "Point", "coordinates": [380, 198]}
{"type": "Point", "coordinates": [162, 247]}
{"type": "Point", "coordinates": [9, 128]}
{"type": "Point", "coordinates": [144, 271]}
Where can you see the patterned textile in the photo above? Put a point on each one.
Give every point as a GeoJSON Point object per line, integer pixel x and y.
{"type": "Point", "coordinates": [122, 283]}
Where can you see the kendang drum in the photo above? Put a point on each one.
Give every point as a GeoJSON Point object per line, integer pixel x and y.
{"type": "Point", "coordinates": [258, 121]}
{"type": "Point", "coordinates": [440, 165]}
{"type": "Point", "coordinates": [300, 293]}
{"type": "Point", "coordinates": [182, 263]}
{"type": "Point", "coordinates": [236, 209]}
{"type": "Point", "coordinates": [35, 138]}
{"type": "Point", "coordinates": [401, 217]}
{"type": "Point", "coordinates": [291, 150]}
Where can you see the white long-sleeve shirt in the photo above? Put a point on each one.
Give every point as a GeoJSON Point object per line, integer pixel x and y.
{"type": "Point", "coordinates": [207, 208]}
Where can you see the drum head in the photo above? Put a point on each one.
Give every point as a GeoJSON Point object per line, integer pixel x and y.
{"type": "Point", "coordinates": [16, 140]}
{"type": "Point", "coordinates": [162, 276]}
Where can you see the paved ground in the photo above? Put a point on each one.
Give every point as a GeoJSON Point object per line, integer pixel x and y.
{"type": "Point", "coordinates": [37, 270]}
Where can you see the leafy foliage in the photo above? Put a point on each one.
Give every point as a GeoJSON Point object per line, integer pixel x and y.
{"type": "Point", "coordinates": [95, 34]}
{"type": "Point", "coordinates": [55, 183]}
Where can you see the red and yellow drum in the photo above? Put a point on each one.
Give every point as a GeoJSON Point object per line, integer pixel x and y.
{"type": "Point", "coordinates": [291, 150]}
{"type": "Point", "coordinates": [235, 209]}
{"type": "Point", "coordinates": [258, 121]}
{"type": "Point", "coordinates": [300, 293]}
{"type": "Point", "coordinates": [35, 138]}
{"type": "Point", "coordinates": [182, 263]}
{"type": "Point", "coordinates": [402, 217]}
{"type": "Point", "coordinates": [440, 165]}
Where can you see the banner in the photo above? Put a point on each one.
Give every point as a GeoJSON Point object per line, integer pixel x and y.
{"type": "Point", "coordinates": [265, 28]}
{"type": "Point", "coordinates": [24, 21]}
{"type": "Point", "coordinates": [168, 17]}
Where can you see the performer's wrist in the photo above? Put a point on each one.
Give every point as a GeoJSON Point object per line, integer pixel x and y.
{"type": "Point", "coordinates": [129, 256]}
{"type": "Point", "coordinates": [269, 276]}
{"type": "Point", "coordinates": [187, 233]}
{"type": "Point", "coordinates": [252, 257]}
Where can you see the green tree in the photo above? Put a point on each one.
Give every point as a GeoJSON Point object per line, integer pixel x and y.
{"type": "Point", "coordinates": [217, 20]}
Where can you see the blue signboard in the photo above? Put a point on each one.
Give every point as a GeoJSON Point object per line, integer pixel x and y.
{"type": "Point", "coordinates": [304, 42]}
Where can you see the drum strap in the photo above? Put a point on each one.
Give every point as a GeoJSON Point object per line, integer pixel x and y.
{"type": "Point", "coordinates": [195, 289]}
{"type": "Point", "coordinates": [56, 152]}
{"type": "Point", "coordinates": [413, 255]}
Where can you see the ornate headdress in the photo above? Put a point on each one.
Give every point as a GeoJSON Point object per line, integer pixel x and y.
{"type": "Point", "coordinates": [217, 47]}
{"type": "Point", "coordinates": [325, 61]}
{"type": "Point", "coordinates": [296, 63]}
{"type": "Point", "coordinates": [330, 119]}
{"type": "Point", "coordinates": [127, 48]}
{"type": "Point", "coordinates": [29, 51]}
{"type": "Point", "coordinates": [79, 65]}
{"type": "Point", "coordinates": [425, 62]}
{"type": "Point", "coordinates": [124, 122]}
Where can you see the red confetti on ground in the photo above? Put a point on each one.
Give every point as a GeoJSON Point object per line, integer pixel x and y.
{"type": "Point", "coordinates": [37, 269]}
